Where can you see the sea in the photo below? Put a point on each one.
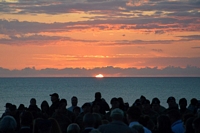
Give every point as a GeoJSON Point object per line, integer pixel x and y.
{"type": "Point", "coordinates": [20, 90]}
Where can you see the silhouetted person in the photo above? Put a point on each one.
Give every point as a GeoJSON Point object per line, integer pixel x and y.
{"type": "Point", "coordinates": [45, 109]}
{"type": "Point", "coordinates": [163, 125]}
{"type": "Point", "coordinates": [98, 120]}
{"type": "Point", "coordinates": [138, 104]}
{"type": "Point", "coordinates": [189, 125]}
{"type": "Point", "coordinates": [96, 109]}
{"type": "Point", "coordinates": [33, 108]}
{"type": "Point", "coordinates": [63, 116]}
{"type": "Point", "coordinates": [77, 111]}
{"type": "Point", "coordinates": [176, 122]}
{"type": "Point", "coordinates": [21, 108]}
{"type": "Point", "coordinates": [7, 110]}
{"type": "Point", "coordinates": [114, 104]}
{"type": "Point", "coordinates": [155, 105]}
{"type": "Point", "coordinates": [88, 122]}
{"type": "Point", "coordinates": [55, 103]}
{"type": "Point", "coordinates": [171, 101]}
{"type": "Point", "coordinates": [26, 121]}
{"type": "Point", "coordinates": [133, 115]}
{"type": "Point", "coordinates": [117, 125]}
{"type": "Point", "coordinates": [193, 105]}
{"type": "Point", "coordinates": [147, 122]}
{"type": "Point", "coordinates": [74, 102]}
{"type": "Point", "coordinates": [101, 102]}
{"type": "Point", "coordinates": [183, 107]}
{"type": "Point", "coordinates": [142, 99]}
{"type": "Point", "coordinates": [86, 109]}
{"type": "Point", "coordinates": [8, 124]}
{"type": "Point", "coordinates": [73, 128]}
{"type": "Point", "coordinates": [14, 112]}
{"type": "Point", "coordinates": [55, 128]}
{"type": "Point", "coordinates": [121, 104]}
{"type": "Point", "coordinates": [138, 128]}
{"type": "Point", "coordinates": [42, 125]}
{"type": "Point", "coordinates": [196, 125]}
{"type": "Point", "coordinates": [146, 110]}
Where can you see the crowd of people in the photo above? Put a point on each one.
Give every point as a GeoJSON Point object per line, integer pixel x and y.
{"type": "Point", "coordinates": [143, 116]}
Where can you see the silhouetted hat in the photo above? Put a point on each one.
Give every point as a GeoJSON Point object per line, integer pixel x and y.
{"type": "Point", "coordinates": [171, 98]}
{"type": "Point", "coordinates": [155, 101]}
{"type": "Point", "coordinates": [55, 94]}
{"type": "Point", "coordinates": [7, 105]}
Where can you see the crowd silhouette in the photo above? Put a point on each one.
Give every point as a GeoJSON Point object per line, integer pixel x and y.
{"type": "Point", "coordinates": [99, 116]}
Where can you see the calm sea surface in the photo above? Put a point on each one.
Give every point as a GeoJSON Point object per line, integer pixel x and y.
{"type": "Point", "coordinates": [21, 90]}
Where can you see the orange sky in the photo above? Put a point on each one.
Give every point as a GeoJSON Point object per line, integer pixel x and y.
{"type": "Point", "coordinates": [88, 34]}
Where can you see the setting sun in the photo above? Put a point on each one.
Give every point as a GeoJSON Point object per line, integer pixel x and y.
{"type": "Point", "coordinates": [99, 76]}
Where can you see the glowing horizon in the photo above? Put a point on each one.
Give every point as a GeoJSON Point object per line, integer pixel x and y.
{"type": "Point", "coordinates": [99, 76]}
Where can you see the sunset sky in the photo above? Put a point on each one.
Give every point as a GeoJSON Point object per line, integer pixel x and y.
{"type": "Point", "coordinates": [89, 34]}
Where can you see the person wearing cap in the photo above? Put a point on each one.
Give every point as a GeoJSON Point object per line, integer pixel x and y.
{"type": "Point", "coordinates": [14, 112]}
{"type": "Point", "coordinates": [171, 104]}
{"type": "Point", "coordinates": [7, 110]}
{"type": "Point", "coordinates": [55, 103]}
{"type": "Point", "coordinates": [117, 125]}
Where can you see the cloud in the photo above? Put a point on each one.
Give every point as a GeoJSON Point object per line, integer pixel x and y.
{"type": "Point", "coordinates": [196, 47]}
{"type": "Point", "coordinates": [159, 32]}
{"type": "Point", "coordinates": [110, 71]}
{"type": "Point", "coordinates": [190, 37]}
{"type": "Point", "coordinates": [147, 16]}
{"type": "Point", "coordinates": [144, 42]}
{"type": "Point", "coordinates": [39, 40]}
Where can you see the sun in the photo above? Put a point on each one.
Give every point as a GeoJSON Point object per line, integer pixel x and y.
{"type": "Point", "coordinates": [99, 76]}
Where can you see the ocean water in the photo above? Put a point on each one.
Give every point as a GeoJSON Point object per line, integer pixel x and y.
{"type": "Point", "coordinates": [21, 90]}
